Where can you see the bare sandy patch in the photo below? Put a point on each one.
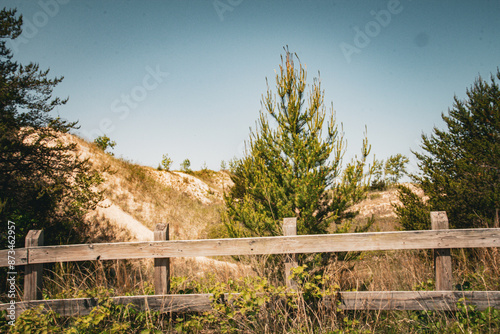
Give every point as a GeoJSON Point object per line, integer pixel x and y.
{"type": "Point", "coordinates": [124, 220]}
{"type": "Point", "coordinates": [188, 184]}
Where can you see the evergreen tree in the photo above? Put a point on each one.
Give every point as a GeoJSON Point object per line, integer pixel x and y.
{"type": "Point", "coordinates": [388, 173]}
{"type": "Point", "coordinates": [460, 166]}
{"type": "Point", "coordinates": [293, 169]}
{"type": "Point", "coordinates": [42, 184]}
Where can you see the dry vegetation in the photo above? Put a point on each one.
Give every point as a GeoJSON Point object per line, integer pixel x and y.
{"type": "Point", "coordinates": [190, 203]}
{"type": "Point", "coordinates": [136, 199]}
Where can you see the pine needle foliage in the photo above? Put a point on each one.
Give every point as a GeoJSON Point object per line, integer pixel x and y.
{"type": "Point", "coordinates": [460, 166]}
{"type": "Point", "coordinates": [43, 184]}
{"type": "Point", "coordinates": [293, 164]}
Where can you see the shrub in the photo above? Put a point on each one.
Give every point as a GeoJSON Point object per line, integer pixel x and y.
{"type": "Point", "coordinates": [166, 162]}
{"type": "Point", "coordinates": [104, 142]}
{"type": "Point", "coordinates": [460, 165]}
{"type": "Point", "coordinates": [185, 166]}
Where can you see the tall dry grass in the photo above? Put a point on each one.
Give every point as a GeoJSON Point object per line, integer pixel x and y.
{"type": "Point", "coordinates": [132, 188]}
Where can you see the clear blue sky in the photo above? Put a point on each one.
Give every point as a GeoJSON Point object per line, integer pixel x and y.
{"type": "Point", "coordinates": [186, 77]}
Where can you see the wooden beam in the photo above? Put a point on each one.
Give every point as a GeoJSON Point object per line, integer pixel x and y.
{"type": "Point", "coordinates": [362, 300]}
{"type": "Point", "coordinates": [289, 229]}
{"type": "Point", "coordinates": [83, 306]}
{"type": "Point", "coordinates": [466, 238]}
{"type": "Point", "coordinates": [417, 300]}
{"type": "Point", "coordinates": [162, 265]}
{"type": "Point", "coordinates": [33, 272]}
{"type": "Point", "coordinates": [21, 257]}
{"type": "Point", "coordinates": [442, 257]}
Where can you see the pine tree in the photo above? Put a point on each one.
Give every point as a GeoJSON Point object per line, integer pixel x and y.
{"type": "Point", "coordinates": [460, 166]}
{"type": "Point", "coordinates": [42, 184]}
{"type": "Point", "coordinates": [293, 168]}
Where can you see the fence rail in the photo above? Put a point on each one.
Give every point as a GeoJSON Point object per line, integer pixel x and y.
{"type": "Point", "coordinates": [441, 239]}
{"type": "Point", "coordinates": [361, 300]}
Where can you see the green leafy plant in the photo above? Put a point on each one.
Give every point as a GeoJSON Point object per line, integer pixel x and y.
{"type": "Point", "coordinates": [223, 165]}
{"type": "Point", "coordinates": [37, 321]}
{"type": "Point", "coordinates": [414, 214]}
{"type": "Point", "coordinates": [106, 317]}
{"type": "Point", "coordinates": [104, 142]}
{"type": "Point", "coordinates": [185, 166]}
{"type": "Point", "coordinates": [166, 163]}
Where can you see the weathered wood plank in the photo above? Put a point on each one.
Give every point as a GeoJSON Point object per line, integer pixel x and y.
{"type": "Point", "coordinates": [33, 272]}
{"type": "Point", "coordinates": [169, 303]}
{"type": "Point", "coordinates": [417, 300]}
{"type": "Point", "coordinates": [290, 228]}
{"type": "Point", "coordinates": [364, 300]}
{"type": "Point", "coordinates": [162, 265]}
{"type": "Point", "coordinates": [83, 306]}
{"type": "Point", "coordinates": [442, 257]}
{"type": "Point", "coordinates": [466, 238]}
{"type": "Point", "coordinates": [21, 257]}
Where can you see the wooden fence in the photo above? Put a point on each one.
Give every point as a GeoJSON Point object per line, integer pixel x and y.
{"type": "Point", "coordinates": [440, 238]}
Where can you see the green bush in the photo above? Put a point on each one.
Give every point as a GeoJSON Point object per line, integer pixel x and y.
{"type": "Point", "coordinates": [166, 163]}
{"type": "Point", "coordinates": [104, 142]}
{"type": "Point", "coordinates": [254, 305]}
{"type": "Point", "coordinates": [388, 173]}
{"type": "Point", "coordinates": [185, 166]}
{"type": "Point", "coordinates": [459, 166]}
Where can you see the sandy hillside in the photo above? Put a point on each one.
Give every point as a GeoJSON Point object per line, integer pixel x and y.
{"type": "Point", "coordinates": [380, 205]}
{"type": "Point", "coordinates": [138, 197]}
{"type": "Point", "coordinates": [193, 186]}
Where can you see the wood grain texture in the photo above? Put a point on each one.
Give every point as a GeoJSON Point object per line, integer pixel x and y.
{"type": "Point", "coordinates": [21, 257]}
{"type": "Point", "coordinates": [83, 306]}
{"type": "Point", "coordinates": [289, 229]}
{"type": "Point", "coordinates": [442, 257]}
{"type": "Point", "coordinates": [364, 300]}
{"type": "Point", "coordinates": [162, 265]}
{"type": "Point", "coordinates": [466, 238]}
{"type": "Point", "coordinates": [417, 300]}
{"type": "Point", "coordinates": [33, 272]}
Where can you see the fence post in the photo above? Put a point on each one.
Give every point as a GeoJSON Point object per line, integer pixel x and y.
{"type": "Point", "coordinates": [290, 228]}
{"type": "Point", "coordinates": [33, 273]}
{"type": "Point", "coordinates": [442, 257]}
{"type": "Point", "coordinates": [496, 223]}
{"type": "Point", "coordinates": [162, 265]}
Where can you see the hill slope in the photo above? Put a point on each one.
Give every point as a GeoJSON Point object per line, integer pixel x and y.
{"type": "Point", "coordinates": [139, 197]}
